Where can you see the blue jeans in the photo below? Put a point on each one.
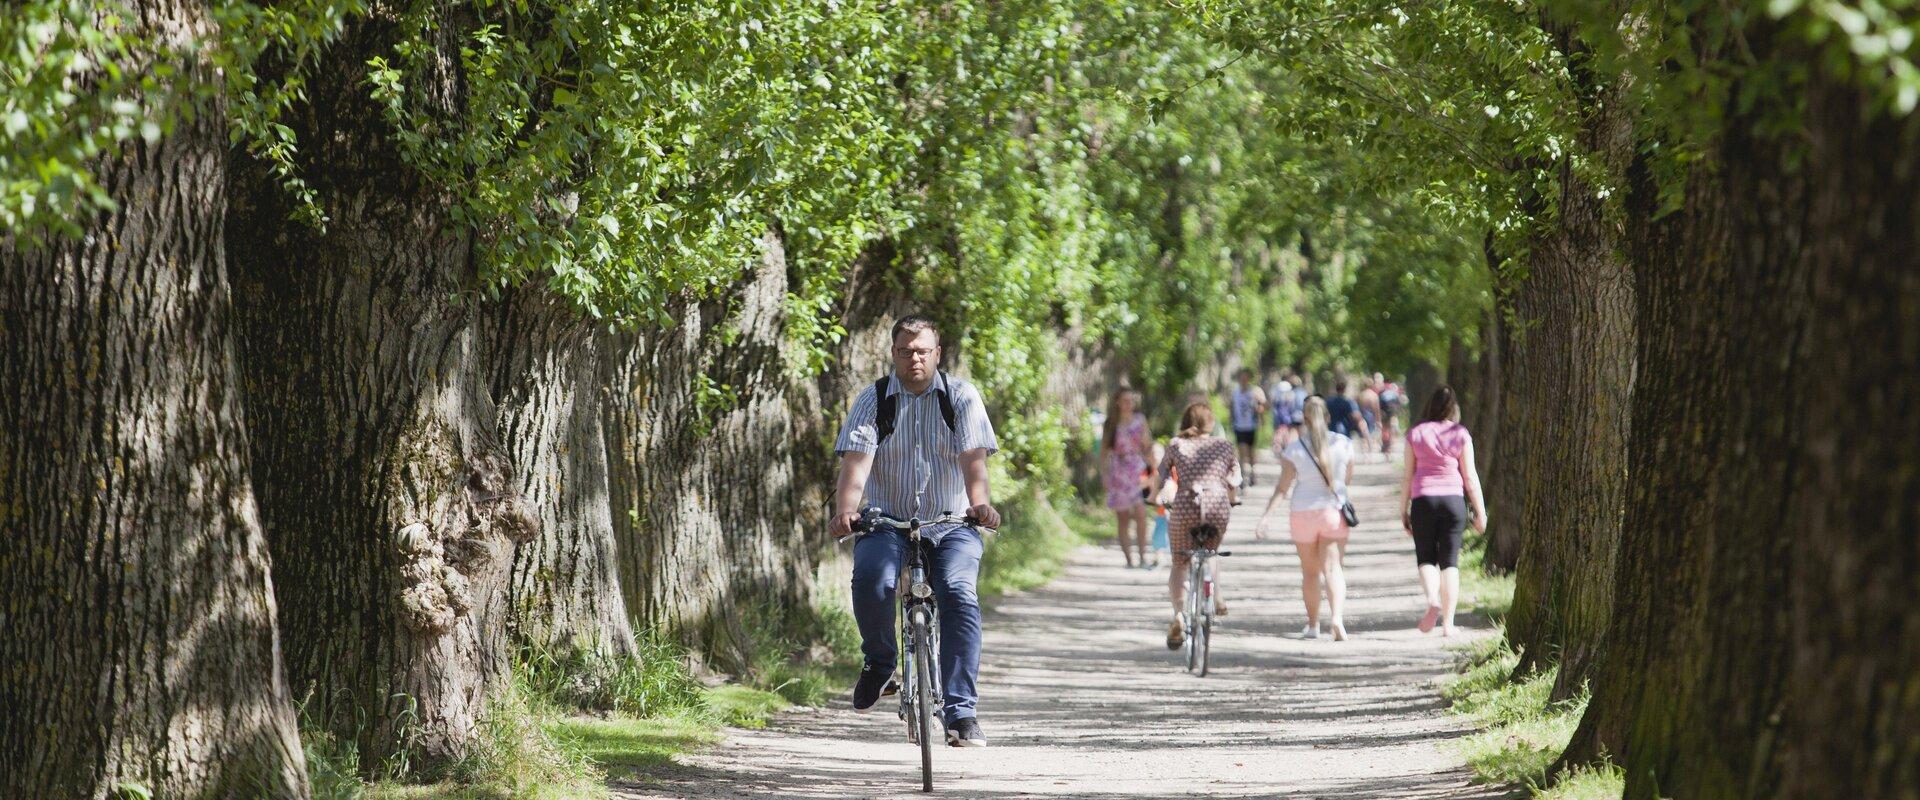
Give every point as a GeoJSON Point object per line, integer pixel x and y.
{"type": "Point", "coordinates": [953, 571]}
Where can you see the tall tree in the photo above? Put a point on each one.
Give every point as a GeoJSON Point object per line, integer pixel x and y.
{"type": "Point", "coordinates": [1763, 644]}
{"type": "Point", "coordinates": [384, 489]}
{"type": "Point", "coordinates": [1572, 376]}
{"type": "Point", "coordinates": [140, 646]}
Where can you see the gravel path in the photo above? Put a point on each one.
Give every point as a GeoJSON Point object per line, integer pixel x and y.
{"type": "Point", "coordinates": [1081, 698]}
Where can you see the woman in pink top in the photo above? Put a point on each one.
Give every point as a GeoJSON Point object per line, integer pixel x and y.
{"type": "Point", "coordinates": [1442, 485]}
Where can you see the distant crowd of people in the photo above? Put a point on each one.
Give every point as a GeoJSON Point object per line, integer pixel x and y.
{"type": "Point", "coordinates": [1163, 491]}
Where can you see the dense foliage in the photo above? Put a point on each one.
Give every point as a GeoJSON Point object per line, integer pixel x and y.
{"type": "Point", "coordinates": [1107, 169]}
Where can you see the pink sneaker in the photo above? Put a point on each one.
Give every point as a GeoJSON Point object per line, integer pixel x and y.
{"type": "Point", "coordinates": [1426, 622]}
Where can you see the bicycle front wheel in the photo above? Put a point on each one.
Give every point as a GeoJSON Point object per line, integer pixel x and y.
{"type": "Point", "coordinates": [928, 701]}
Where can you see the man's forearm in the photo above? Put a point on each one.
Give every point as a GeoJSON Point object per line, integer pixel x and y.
{"type": "Point", "coordinates": [850, 489]}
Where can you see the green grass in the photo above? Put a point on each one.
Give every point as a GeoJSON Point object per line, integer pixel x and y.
{"type": "Point", "coordinates": [1481, 593]}
{"type": "Point", "coordinates": [536, 745]}
{"type": "Point", "coordinates": [1524, 732]}
{"type": "Point", "coordinates": [1034, 545]}
{"type": "Point", "coordinates": [626, 747]}
{"type": "Point", "coordinates": [1604, 782]}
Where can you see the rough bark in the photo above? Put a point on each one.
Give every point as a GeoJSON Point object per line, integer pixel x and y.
{"type": "Point", "coordinates": [699, 434]}
{"type": "Point", "coordinates": [1766, 642]}
{"type": "Point", "coordinates": [140, 644]}
{"type": "Point", "coordinates": [386, 498]}
{"type": "Point", "coordinates": [1572, 378]}
{"type": "Point", "coordinates": [566, 594]}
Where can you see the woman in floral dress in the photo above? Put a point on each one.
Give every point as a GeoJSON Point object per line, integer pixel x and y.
{"type": "Point", "coordinates": [1126, 444]}
{"type": "Point", "coordinates": [1209, 488]}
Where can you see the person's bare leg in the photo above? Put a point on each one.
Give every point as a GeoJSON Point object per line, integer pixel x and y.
{"type": "Point", "coordinates": [1333, 553]}
{"type": "Point", "coordinates": [1142, 540]}
{"type": "Point", "coordinates": [1177, 587]}
{"type": "Point", "coordinates": [1310, 566]}
{"type": "Point", "coordinates": [1120, 518]}
{"type": "Point", "coordinates": [1430, 588]}
{"type": "Point", "coordinates": [1449, 597]}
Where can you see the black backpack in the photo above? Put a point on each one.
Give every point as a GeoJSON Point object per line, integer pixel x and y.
{"type": "Point", "coordinates": [886, 410]}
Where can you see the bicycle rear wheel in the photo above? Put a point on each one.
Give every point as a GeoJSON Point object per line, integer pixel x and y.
{"type": "Point", "coordinates": [1193, 618]}
{"type": "Point", "coordinates": [928, 699]}
{"type": "Point", "coordinates": [1203, 631]}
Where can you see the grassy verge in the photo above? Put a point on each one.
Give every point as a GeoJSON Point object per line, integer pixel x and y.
{"type": "Point", "coordinates": [535, 743]}
{"type": "Point", "coordinates": [1523, 732]}
{"type": "Point", "coordinates": [1035, 544]}
{"type": "Point", "coordinates": [1481, 593]}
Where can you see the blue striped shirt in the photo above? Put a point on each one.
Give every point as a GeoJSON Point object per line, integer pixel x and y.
{"type": "Point", "coordinates": [916, 472]}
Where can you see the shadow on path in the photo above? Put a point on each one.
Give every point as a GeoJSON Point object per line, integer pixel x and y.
{"type": "Point", "coordinates": [1081, 698]}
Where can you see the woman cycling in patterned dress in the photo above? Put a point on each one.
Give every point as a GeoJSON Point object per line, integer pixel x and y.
{"type": "Point", "coordinates": [1209, 488]}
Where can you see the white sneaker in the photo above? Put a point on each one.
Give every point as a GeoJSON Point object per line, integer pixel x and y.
{"type": "Point", "coordinates": [1310, 632]}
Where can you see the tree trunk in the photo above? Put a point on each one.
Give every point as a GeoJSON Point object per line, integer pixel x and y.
{"type": "Point", "coordinates": [699, 434]}
{"type": "Point", "coordinates": [566, 593]}
{"type": "Point", "coordinates": [1764, 644]}
{"type": "Point", "coordinates": [140, 643]}
{"type": "Point", "coordinates": [385, 495]}
{"type": "Point", "coordinates": [1573, 376]}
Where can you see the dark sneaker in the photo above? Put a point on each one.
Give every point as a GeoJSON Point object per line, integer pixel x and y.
{"type": "Point", "coordinates": [874, 683]}
{"type": "Point", "coordinates": [965, 732]}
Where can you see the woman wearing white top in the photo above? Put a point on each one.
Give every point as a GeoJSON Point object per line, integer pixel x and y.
{"type": "Point", "coordinates": [1319, 534]}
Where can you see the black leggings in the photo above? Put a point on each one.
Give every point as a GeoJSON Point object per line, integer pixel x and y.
{"type": "Point", "coordinates": [1438, 523]}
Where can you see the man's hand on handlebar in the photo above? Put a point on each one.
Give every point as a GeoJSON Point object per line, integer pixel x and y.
{"type": "Point", "coordinates": [985, 515]}
{"type": "Point", "coordinates": [841, 526]}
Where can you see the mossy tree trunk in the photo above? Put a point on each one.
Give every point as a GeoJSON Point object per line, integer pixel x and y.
{"type": "Point", "coordinates": [1572, 378]}
{"type": "Point", "coordinates": [1764, 642]}
{"type": "Point", "coordinates": [140, 645]}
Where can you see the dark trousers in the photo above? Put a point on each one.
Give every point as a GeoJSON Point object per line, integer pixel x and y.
{"type": "Point", "coordinates": [952, 572]}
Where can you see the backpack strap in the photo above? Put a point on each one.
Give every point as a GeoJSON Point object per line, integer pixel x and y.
{"type": "Point", "coordinates": [886, 407]}
{"type": "Point", "coordinates": [884, 410]}
{"type": "Point", "coordinates": [946, 401]}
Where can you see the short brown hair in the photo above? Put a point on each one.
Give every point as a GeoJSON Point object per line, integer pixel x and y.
{"type": "Point", "coordinates": [1197, 420]}
{"type": "Point", "coordinates": [914, 324]}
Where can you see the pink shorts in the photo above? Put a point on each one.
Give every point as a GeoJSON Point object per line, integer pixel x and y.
{"type": "Point", "coordinates": [1318, 524]}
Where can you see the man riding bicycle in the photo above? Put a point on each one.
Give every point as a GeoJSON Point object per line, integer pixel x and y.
{"type": "Point", "coordinates": [915, 445]}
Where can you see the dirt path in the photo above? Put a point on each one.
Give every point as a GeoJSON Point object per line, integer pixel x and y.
{"type": "Point", "coordinates": [1081, 698]}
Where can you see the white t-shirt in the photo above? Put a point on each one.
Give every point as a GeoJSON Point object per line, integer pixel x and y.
{"type": "Point", "coordinates": [1310, 491]}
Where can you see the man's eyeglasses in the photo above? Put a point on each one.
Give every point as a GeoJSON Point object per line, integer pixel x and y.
{"type": "Point", "coordinates": [914, 353]}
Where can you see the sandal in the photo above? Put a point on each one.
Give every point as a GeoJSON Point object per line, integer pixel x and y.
{"type": "Point", "coordinates": [1176, 635]}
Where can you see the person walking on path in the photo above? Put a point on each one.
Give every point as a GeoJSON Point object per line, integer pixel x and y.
{"type": "Point", "coordinates": [1317, 467]}
{"type": "Point", "coordinates": [1442, 486]}
{"type": "Point", "coordinates": [1126, 444]}
{"type": "Point", "coordinates": [1343, 415]}
{"type": "Point", "coordinates": [1209, 488]}
{"type": "Point", "coordinates": [1246, 406]}
{"type": "Point", "coordinates": [1391, 399]}
{"type": "Point", "coordinates": [915, 445]}
{"type": "Point", "coordinates": [1286, 415]}
{"type": "Point", "coordinates": [1369, 404]}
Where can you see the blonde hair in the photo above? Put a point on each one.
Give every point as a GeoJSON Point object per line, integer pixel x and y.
{"type": "Point", "coordinates": [1197, 420]}
{"type": "Point", "coordinates": [1314, 414]}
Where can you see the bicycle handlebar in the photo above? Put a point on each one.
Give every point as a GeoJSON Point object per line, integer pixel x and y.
{"type": "Point", "coordinates": [870, 516]}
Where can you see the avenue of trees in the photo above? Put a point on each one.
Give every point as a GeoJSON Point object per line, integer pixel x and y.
{"type": "Point", "coordinates": [355, 349]}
